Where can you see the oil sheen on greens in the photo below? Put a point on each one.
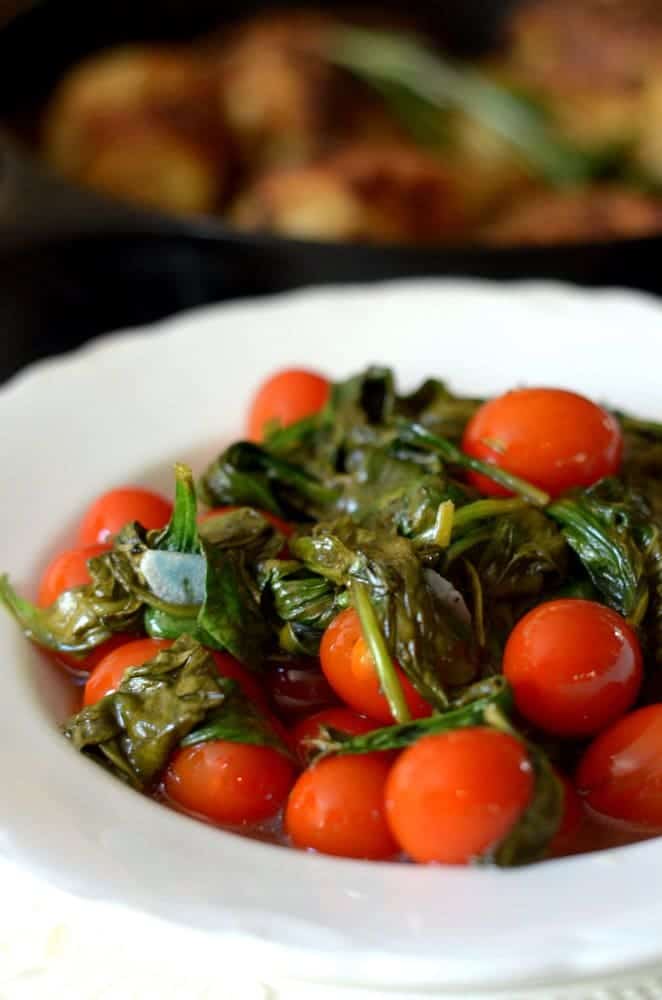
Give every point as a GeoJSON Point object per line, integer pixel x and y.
{"type": "Point", "coordinates": [375, 488]}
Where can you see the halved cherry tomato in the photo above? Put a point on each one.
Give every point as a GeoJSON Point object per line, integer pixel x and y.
{"type": "Point", "coordinates": [278, 523]}
{"type": "Point", "coordinates": [574, 666]}
{"type": "Point", "coordinates": [286, 397]}
{"type": "Point", "coordinates": [453, 796]}
{"type": "Point", "coordinates": [111, 511]}
{"type": "Point", "coordinates": [107, 675]}
{"type": "Point", "coordinates": [350, 670]}
{"type": "Point", "coordinates": [620, 774]}
{"type": "Point", "coordinates": [337, 807]}
{"type": "Point", "coordinates": [229, 782]}
{"type": "Point", "coordinates": [67, 570]}
{"type": "Point", "coordinates": [342, 719]}
{"type": "Point", "coordinates": [553, 438]}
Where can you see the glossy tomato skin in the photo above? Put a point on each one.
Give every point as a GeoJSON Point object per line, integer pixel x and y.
{"type": "Point", "coordinates": [574, 666]}
{"type": "Point", "coordinates": [232, 783]}
{"type": "Point", "coordinates": [111, 511]}
{"type": "Point", "coordinates": [350, 670]}
{"type": "Point", "coordinates": [453, 796]}
{"type": "Point", "coordinates": [620, 775]}
{"type": "Point", "coordinates": [286, 397]}
{"type": "Point", "coordinates": [67, 570]}
{"type": "Point", "coordinates": [342, 719]}
{"type": "Point", "coordinates": [337, 807]}
{"type": "Point", "coordinates": [278, 523]}
{"type": "Point", "coordinates": [107, 675]}
{"type": "Point", "coordinates": [553, 438]}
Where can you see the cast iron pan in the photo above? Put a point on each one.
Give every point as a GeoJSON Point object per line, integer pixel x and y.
{"type": "Point", "coordinates": [74, 264]}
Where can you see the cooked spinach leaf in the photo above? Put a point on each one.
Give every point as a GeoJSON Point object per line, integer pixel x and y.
{"type": "Point", "coordinates": [428, 642]}
{"type": "Point", "coordinates": [133, 730]}
{"type": "Point", "coordinates": [236, 720]}
{"type": "Point", "coordinates": [603, 526]}
{"type": "Point", "coordinates": [468, 709]}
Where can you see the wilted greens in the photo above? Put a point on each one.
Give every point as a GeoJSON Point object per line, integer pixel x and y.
{"type": "Point", "coordinates": [384, 522]}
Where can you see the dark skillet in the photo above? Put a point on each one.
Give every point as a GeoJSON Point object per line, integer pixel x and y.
{"type": "Point", "coordinates": [75, 264]}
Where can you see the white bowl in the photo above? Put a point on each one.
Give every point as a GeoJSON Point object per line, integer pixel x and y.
{"type": "Point", "coordinates": [122, 411]}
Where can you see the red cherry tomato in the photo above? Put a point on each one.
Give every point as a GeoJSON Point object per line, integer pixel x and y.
{"type": "Point", "coordinates": [342, 719]}
{"type": "Point", "coordinates": [286, 397]}
{"type": "Point", "coordinates": [67, 570]}
{"type": "Point", "coordinates": [111, 511]}
{"type": "Point", "coordinates": [620, 774]}
{"type": "Point", "coordinates": [350, 670]}
{"type": "Point", "coordinates": [107, 675]}
{"type": "Point", "coordinates": [571, 820]}
{"type": "Point", "coordinates": [278, 523]}
{"type": "Point", "coordinates": [552, 438]}
{"type": "Point", "coordinates": [337, 807]}
{"type": "Point", "coordinates": [229, 782]}
{"type": "Point", "coordinates": [574, 666]}
{"type": "Point", "coordinates": [453, 796]}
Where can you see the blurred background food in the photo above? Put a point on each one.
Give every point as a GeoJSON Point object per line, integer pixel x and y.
{"type": "Point", "coordinates": [160, 154]}
{"type": "Point", "coordinates": [287, 122]}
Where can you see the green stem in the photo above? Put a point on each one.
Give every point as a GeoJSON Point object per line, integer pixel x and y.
{"type": "Point", "coordinates": [416, 434]}
{"type": "Point", "coordinates": [444, 523]}
{"type": "Point", "coordinates": [388, 678]}
{"type": "Point", "coordinates": [462, 545]}
{"type": "Point", "coordinates": [485, 508]}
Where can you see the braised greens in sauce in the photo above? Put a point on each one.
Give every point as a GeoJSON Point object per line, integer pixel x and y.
{"type": "Point", "coordinates": [417, 626]}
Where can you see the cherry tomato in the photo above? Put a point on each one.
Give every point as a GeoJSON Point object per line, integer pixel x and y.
{"type": "Point", "coordinates": [286, 397]}
{"type": "Point", "coordinates": [350, 670]}
{"type": "Point", "coordinates": [229, 782]}
{"type": "Point", "coordinates": [571, 820]}
{"type": "Point", "coordinates": [553, 438]}
{"type": "Point", "coordinates": [342, 719]}
{"type": "Point", "coordinates": [297, 688]}
{"type": "Point", "coordinates": [111, 511]}
{"type": "Point", "coordinates": [620, 774]}
{"type": "Point", "coordinates": [107, 675]}
{"type": "Point", "coordinates": [337, 807]}
{"type": "Point", "coordinates": [278, 523]}
{"type": "Point", "coordinates": [67, 570]}
{"type": "Point", "coordinates": [453, 796]}
{"type": "Point", "coordinates": [574, 666]}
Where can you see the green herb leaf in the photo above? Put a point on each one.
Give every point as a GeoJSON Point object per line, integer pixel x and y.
{"type": "Point", "coordinates": [428, 641]}
{"type": "Point", "coordinates": [248, 475]}
{"type": "Point", "coordinates": [601, 524]}
{"type": "Point", "coordinates": [181, 534]}
{"type": "Point", "coordinates": [398, 64]}
{"type": "Point", "coordinates": [133, 730]}
{"type": "Point", "coordinates": [237, 721]}
{"type": "Point", "coordinates": [418, 436]}
{"type": "Point", "coordinates": [230, 617]}
{"type": "Point", "coordinates": [467, 710]}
